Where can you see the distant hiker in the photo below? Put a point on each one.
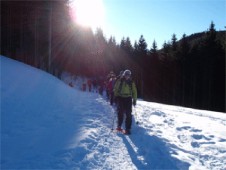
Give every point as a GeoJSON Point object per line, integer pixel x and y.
{"type": "Point", "coordinates": [109, 85]}
{"type": "Point", "coordinates": [84, 87]}
{"type": "Point", "coordinates": [118, 78]}
{"type": "Point", "coordinates": [120, 75]}
{"type": "Point", "coordinates": [126, 92]}
{"type": "Point", "coordinates": [89, 83]}
{"type": "Point", "coordinates": [110, 88]}
{"type": "Point", "coordinates": [94, 82]}
{"type": "Point", "coordinates": [101, 88]}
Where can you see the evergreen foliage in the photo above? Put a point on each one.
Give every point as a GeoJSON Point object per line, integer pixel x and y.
{"type": "Point", "coordinates": [189, 72]}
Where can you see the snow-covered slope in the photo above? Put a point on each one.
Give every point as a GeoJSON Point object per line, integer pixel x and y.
{"type": "Point", "coordinates": [45, 124]}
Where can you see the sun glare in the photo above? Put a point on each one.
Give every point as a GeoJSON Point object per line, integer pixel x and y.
{"type": "Point", "coordinates": [88, 13]}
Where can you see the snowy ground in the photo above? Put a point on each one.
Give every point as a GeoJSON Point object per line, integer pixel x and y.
{"type": "Point", "coordinates": [45, 124]}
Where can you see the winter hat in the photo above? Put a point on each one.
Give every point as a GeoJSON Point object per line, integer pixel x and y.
{"type": "Point", "coordinates": [127, 73]}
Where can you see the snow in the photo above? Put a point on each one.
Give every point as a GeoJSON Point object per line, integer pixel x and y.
{"type": "Point", "coordinates": [46, 124]}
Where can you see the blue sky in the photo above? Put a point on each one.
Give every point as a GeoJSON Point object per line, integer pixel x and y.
{"type": "Point", "coordinates": [160, 19]}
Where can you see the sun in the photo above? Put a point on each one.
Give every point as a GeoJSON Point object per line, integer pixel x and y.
{"type": "Point", "coordinates": [89, 13]}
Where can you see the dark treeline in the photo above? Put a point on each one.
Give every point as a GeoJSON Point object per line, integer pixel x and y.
{"type": "Point", "coordinates": [188, 72]}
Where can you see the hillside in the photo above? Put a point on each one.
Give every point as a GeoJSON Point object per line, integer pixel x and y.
{"type": "Point", "coordinates": [220, 36]}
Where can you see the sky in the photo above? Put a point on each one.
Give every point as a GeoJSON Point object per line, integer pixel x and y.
{"type": "Point", "coordinates": [159, 19]}
{"type": "Point", "coordinates": [46, 124]}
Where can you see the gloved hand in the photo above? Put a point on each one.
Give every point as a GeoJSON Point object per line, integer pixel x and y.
{"type": "Point", "coordinates": [134, 102]}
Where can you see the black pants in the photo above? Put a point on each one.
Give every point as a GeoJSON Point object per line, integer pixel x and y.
{"type": "Point", "coordinates": [111, 97]}
{"type": "Point", "coordinates": [125, 107]}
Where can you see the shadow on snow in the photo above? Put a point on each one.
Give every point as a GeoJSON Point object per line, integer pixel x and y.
{"type": "Point", "coordinates": [151, 152]}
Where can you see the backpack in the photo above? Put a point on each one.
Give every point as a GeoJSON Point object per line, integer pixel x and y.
{"type": "Point", "coordinates": [129, 83]}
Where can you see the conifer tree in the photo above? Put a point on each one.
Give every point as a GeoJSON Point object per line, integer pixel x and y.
{"type": "Point", "coordinates": [174, 42]}
{"type": "Point", "coordinates": [154, 47]}
{"type": "Point", "coordinates": [128, 46]}
{"type": "Point", "coordinates": [184, 47]}
{"type": "Point", "coordinates": [183, 53]}
{"type": "Point", "coordinates": [123, 43]}
{"type": "Point", "coordinates": [112, 41]}
{"type": "Point", "coordinates": [166, 47]}
{"type": "Point", "coordinates": [142, 46]}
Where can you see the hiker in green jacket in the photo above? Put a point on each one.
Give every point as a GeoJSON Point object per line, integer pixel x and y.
{"type": "Point", "coordinates": [126, 93]}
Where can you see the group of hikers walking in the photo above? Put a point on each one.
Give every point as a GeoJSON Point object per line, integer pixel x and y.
{"type": "Point", "coordinates": [122, 91]}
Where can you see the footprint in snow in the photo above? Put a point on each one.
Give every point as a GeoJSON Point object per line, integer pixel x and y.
{"type": "Point", "coordinates": [183, 138]}
{"type": "Point", "coordinates": [222, 140]}
{"type": "Point", "coordinates": [195, 130]}
{"type": "Point", "coordinates": [183, 128]}
{"type": "Point", "coordinates": [199, 137]}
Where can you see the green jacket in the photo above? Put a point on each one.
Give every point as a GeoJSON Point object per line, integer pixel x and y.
{"type": "Point", "coordinates": [125, 89]}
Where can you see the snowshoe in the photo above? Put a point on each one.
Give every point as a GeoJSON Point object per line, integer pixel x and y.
{"type": "Point", "coordinates": [126, 132]}
{"type": "Point", "coordinates": [119, 129]}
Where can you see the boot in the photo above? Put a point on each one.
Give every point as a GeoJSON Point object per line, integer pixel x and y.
{"type": "Point", "coordinates": [127, 132]}
{"type": "Point", "coordinates": [119, 129]}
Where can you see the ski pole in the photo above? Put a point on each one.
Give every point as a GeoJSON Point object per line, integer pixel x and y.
{"type": "Point", "coordinates": [135, 113]}
{"type": "Point", "coordinates": [113, 121]}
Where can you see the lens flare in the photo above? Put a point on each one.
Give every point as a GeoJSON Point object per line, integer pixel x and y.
{"type": "Point", "coordinates": [88, 13]}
